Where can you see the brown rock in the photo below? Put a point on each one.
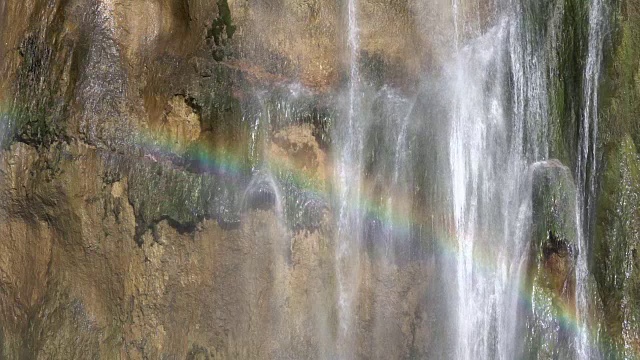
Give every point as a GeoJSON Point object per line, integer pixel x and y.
{"type": "Point", "coordinates": [297, 149]}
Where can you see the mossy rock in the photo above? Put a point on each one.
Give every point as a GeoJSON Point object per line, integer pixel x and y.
{"type": "Point", "coordinates": [221, 31]}
{"type": "Point", "coordinates": [553, 203]}
{"type": "Point", "coordinates": [159, 191]}
{"type": "Point", "coordinates": [617, 243]}
{"type": "Point", "coordinates": [616, 266]}
{"type": "Point", "coordinates": [553, 252]}
{"type": "Point", "coordinates": [39, 111]}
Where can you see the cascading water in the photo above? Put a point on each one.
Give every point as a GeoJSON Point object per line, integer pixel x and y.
{"type": "Point", "coordinates": [586, 173]}
{"type": "Point", "coordinates": [499, 127]}
{"type": "Point", "coordinates": [408, 163]}
{"type": "Point", "coordinates": [499, 111]}
{"type": "Point", "coordinates": [348, 177]}
{"type": "Point", "coordinates": [323, 179]}
{"type": "Point", "coordinates": [488, 166]}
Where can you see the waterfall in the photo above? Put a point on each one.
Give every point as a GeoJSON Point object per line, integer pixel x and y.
{"type": "Point", "coordinates": [489, 114]}
{"type": "Point", "coordinates": [497, 87]}
{"type": "Point", "coordinates": [488, 164]}
{"type": "Point", "coordinates": [357, 179]}
{"type": "Point", "coordinates": [348, 178]}
{"type": "Point", "coordinates": [499, 127]}
{"type": "Point", "coordinates": [586, 172]}
{"type": "Point", "coordinates": [497, 90]}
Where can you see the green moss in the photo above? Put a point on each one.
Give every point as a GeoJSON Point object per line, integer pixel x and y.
{"type": "Point", "coordinates": [617, 241]}
{"type": "Point", "coordinates": [621, 86]}
{"type": "Point", "coordinates": [566, 80]}
{"type": "Point", "coordinates": [39, 111]}
{"type": "Point", "coordinates": [222, 30]}
{"type": "Point", "coordinates": [158, 192]}
{"type": "Point", "coordinates": [617, 234]}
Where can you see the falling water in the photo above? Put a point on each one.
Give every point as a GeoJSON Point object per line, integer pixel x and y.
{"type": "Point", "coordinates": [493, 125]}
{"type": "Point", "coordinates": [498, 86]}
{"type": "Point", "coordinates": [499, 128]}
{"type": "Point", "coordinates": [487, 165]}
{"type": "Point", "coordinates": [586, 172]}
{"type": "Point", "coordinates": [430, 184]}
{"type": "Point", "coordinates": [456, 22]}
{"type": "Point", "coordinates": [348, 177]}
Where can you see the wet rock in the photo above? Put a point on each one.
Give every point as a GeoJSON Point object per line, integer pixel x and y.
{"type": "Point", "coordinates": [552, 259]}
{"type": "Point", "coordinates": [262, 193]}
{"type": "Point", "coordinates": [74, 281]}
{"type": "Point", "coordinates": [302, 173]}
{"type": "Point", "coordinates": [617, 243]}
{"type": "Point", "coordinates": [198, 353]}
{"type": "Point", "coordinates": [553, 206]}
{"type": "Point", "coordinates": [616, 240]}
{"type": "Point", "coordinates": [296, 148]}
{"type": "Point", "coordinates": [123, 231]}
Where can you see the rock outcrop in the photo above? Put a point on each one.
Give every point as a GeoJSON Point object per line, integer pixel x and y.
{"type": "Point", "coordinates": [552, 260]}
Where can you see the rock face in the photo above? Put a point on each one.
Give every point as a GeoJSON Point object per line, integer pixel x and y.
{"type": "Point", "coordinates": [131, 131]}
{"type": "Point", "coordinates": [180, 124]}
{"type": "Point", "coordinates": [553, 210]}
{"type": "Point", "coordinates": [75, 283]}
{"type": "Point", "coordinates": [296, 147]}
{"type": "Point", "coordinates": [552, 260]}
{"type": "Point", "coordinates": [129, 138]}
{"type": "Point", "coordinates": [616, 240]}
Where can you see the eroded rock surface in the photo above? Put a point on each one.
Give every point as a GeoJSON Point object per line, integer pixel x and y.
{"type": "Point", "coordinates": [129, 142]}
{"type": "Point", "coordinates": [130, 135]}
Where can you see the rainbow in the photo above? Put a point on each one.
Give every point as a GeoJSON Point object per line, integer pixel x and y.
{"type": "Point", "coordinates": [228, 162]}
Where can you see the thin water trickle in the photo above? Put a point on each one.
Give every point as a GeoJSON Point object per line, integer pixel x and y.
{"type": "Point", "coordinates": [348, 177]}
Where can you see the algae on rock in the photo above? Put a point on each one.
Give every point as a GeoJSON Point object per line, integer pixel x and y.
{"type": "Point", "coordinates": [617, 246]}
{"type": "Point", "coordinates": [617, 234]}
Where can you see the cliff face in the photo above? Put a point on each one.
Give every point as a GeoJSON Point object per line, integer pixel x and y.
{"type": "Point", "coordinates": [76, 283]}
{"type": "Point", "coordinates": [136, 222]}
{"type": "Point", "coordinates": [126, 228]}
{"type": "Point", "coordinates": [617, 235]}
